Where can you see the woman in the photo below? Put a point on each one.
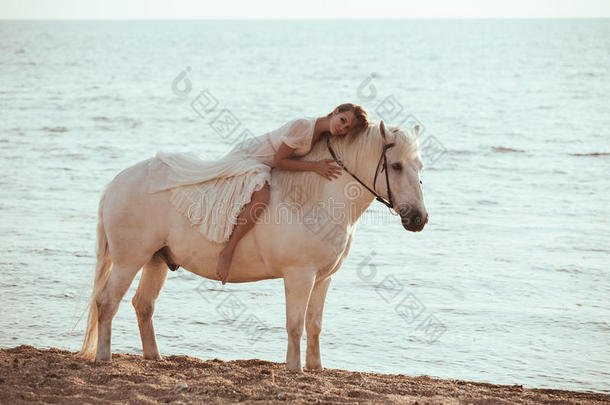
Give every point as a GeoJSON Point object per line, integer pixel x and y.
{"type": "Point", "coordinates": [234, 189]}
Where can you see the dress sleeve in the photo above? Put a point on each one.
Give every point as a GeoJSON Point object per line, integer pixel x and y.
{"type": "Point", "coordinates": [297, 133]}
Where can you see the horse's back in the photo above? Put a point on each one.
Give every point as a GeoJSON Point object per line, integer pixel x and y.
{"type": "Point", "coordinates": [137, 219]}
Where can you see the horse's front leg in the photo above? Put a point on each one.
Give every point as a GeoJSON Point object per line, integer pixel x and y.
{"type": "Point", "coordinates": [315, 309]}
{"type": "Point", "coordinates": [297, 287]}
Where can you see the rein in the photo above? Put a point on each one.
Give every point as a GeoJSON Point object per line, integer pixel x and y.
{"type": "Point", "coordinates": [383, 157]}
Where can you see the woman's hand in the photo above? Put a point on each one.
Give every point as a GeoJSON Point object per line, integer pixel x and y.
{"type": "Point", "coordinates": [325, 169]}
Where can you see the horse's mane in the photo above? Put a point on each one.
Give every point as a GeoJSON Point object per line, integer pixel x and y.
{"type": "Point", "coordinates": [359, 153]}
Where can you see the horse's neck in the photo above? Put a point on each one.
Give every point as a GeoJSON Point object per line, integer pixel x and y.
{"type": "Point", "coordinates": [343, 199]}
{"type": "Point", "coordinates": [351, 197]}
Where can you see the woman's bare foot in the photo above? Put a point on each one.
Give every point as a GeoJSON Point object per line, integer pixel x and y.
{"type": "Point", "coordinates": [245, 221]}
{"type": "Point", "coordinates": [224, 263]}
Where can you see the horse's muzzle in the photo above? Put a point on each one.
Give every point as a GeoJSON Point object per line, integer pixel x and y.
{"type": "Point", "coordinates": [413, 220]}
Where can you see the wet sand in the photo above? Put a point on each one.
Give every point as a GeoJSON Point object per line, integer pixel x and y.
{"type": "Point", "coordinates": [31, 375]}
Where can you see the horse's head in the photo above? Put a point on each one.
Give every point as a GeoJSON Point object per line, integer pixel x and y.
{"type": "Point", "coordinates": [403, 167]}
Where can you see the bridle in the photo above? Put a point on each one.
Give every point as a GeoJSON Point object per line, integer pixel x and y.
{"type": "Point", "coordinates": [383, 157]}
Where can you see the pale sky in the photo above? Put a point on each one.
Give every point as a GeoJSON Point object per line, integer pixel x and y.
{"type": "Point", "coordinates": [303, 9]}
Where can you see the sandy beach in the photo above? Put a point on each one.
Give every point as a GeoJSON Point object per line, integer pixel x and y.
{"type": "Point", "coordinates": [31, 375]}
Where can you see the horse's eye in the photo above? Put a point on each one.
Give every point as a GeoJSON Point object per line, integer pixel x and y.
{"type": "Point", "coordinates": [420, 182]}
{"type": "Point", "coordinates": [397, 166]}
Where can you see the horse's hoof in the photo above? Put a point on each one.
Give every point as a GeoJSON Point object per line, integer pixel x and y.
{"type": "Point", "coordinates": [156, 357]}
{"type": "Point", "coordinates": [315, 367]}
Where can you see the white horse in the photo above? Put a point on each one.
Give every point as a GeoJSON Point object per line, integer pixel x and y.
{"type": "Point", "coordinates": [297, 238]}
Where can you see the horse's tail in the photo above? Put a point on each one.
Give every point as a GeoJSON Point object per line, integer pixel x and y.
{"type": "Point", "coordinates": [102, 272]}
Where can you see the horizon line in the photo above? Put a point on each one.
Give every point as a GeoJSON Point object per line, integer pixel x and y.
{"type": "Point", "coordinates": [313, 19]}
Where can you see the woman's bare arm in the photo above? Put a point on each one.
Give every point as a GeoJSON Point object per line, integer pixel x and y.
{"type": "Point", "coordinates": [323, 167]}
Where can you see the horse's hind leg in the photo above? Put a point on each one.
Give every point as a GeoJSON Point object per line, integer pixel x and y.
{"type": "Point", "coordinates": [153, 278]}
{"type": "Point", "coordinates": [108, 301]}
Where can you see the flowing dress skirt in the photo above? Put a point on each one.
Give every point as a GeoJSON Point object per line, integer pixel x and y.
{"type": "Point", "coordinates": [212, 193]}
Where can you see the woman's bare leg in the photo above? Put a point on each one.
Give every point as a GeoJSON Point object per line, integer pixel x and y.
{"type": "Point", "coordinates": [245, 221]}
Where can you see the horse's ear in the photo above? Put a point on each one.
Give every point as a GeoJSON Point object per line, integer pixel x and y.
{"type": "Point", "coordinates": [416, 130]}
{"type": "Point", "coordinates": [382, 129]}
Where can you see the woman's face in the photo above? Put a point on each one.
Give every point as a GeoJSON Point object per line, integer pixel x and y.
{"type": "Point", "coordinates": [342, 122]}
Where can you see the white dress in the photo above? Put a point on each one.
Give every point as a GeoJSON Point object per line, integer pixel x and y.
{"type": "Point", "coordinates": [211, 193]}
